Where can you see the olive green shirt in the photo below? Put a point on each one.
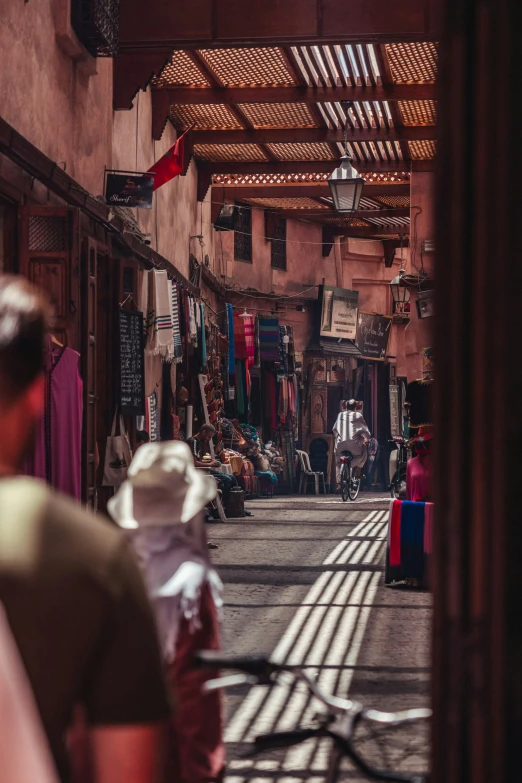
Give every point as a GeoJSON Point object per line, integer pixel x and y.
{"type": "Point", "coordinates": [78, 609]}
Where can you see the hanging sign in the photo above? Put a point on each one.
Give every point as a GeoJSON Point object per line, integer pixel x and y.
{"type": "Point", "coordinates": [373, 332]}
{"type": "Point", "coordinates": [129, 189]}
{"type": "Point", "coordinates": [131, 363]}
{"type": "Point", "coordinates": [339, 313]}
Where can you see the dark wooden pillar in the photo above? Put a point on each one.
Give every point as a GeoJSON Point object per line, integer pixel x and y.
{"type": "Point", "coordinates": [478, 579]}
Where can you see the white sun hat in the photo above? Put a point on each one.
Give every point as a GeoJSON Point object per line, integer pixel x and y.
{"type": "Point", "coordinates": [163, 488]}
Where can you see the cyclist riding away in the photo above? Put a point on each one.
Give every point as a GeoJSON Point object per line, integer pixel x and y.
{"type": "Point", "coordinates": [351, 434]}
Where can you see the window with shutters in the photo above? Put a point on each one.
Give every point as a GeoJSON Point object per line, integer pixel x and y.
{"type": "Point", "coordinates": [278, 246]}
{"type": "Point", "coordinates": [243, 235]}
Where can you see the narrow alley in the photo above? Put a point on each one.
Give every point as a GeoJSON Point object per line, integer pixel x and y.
{"type": "Point", "coordinates": [304, 583]}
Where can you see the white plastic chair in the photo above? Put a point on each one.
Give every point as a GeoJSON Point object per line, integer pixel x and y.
{"type": "Point", "coordinates": [307, 473]}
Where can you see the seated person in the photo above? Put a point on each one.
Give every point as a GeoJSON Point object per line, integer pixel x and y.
{"type": "Point", "coordinates": [200, 447]}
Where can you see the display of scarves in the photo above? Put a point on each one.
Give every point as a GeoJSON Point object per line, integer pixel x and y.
{"type": "Point", "coordinates": [283, 400]}
{"type": "Point", "coordinates": [291, 397]}
{"type": "Point", "coordinates": [409, 541]}
{"type": "Point", "coordinates": [291, 349]}
{"type": "Point", "coordinates": [144, 305]}
{"type": "Point", "coordinates": [162, 342]}
{"type": "Point", "coordinates": [240, 388]}
{"type": "Point", "coordinates": [203, 341]}
{"type": "Point", "coordinates": [269, 339]}
{"type": "Point", "coordinates": [248, 327]}
{"type": "Point", "coordinates": [178, 350]}
{"type": "Point", "coordinates": [193, 328]}
{"type": "Point", "coordinates": [152, 422]}
{"type": "Point", "coordinates": [231, 340]}
{"type": "Point", "coordinates": [240, 346]}
{"type": "Point", "coordinates": [283, 355]}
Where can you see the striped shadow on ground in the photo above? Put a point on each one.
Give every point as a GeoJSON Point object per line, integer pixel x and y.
{"type": "Point", "coordinates": [325, 635]}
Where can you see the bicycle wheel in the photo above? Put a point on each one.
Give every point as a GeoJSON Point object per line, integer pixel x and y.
{"type": "Point", "coordinates": [345, 482]}
{"type": "Point", "coordinates": [354, 485]}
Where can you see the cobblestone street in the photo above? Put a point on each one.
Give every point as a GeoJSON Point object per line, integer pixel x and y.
{"type": "Point", "coordinates": [304, 583]}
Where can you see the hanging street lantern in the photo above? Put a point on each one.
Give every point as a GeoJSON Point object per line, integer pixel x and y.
{"type": "Point", "coordinates": [401, 296]}
{"type": "Point", "coordinates": [345, 183]}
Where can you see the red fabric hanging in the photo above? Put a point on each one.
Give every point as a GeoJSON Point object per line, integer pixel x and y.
{"type": "Point", "coordinates": [171, 164]}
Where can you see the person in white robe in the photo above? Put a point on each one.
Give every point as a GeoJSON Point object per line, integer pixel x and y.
{"type": "Point", "coordinates": [351, 434]}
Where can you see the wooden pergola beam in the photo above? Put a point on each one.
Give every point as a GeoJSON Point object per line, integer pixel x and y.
{"type": "Point", "coordinates": [313, 166]}
{"type": "Point", "coordinates": [319, 214]}
{"type": "Point", "coordinates": [312, 135]}
{"type": "Point", "coordinates": [224, 193]}
{"type": "Point", "coordinates": [222, 23]}
{"type": "Point", "coordinates": [232, 95]}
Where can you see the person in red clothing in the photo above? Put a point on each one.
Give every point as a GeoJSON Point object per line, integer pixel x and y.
{"type": "Point", "coordinates": [418, 471]}
{"type": "Point", "coordinates": [160, 506]}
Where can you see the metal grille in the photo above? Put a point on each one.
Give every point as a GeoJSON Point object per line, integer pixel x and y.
{"type": "Point", "coordinates": [394, 201]}
{"type": "Point", "coordinates": [181, 71]}
{"type": "Point", "coordinates": [278, 246]}
{"type": "Point", "coordinates": [278, 115]}
{"type": "Point", "coordinates": [248, 67]}
{"type": "Point", "coordinates": [205, 117]}
{"type": "Point", "coordinates": [422, 150]}
{"type": "Point", "coordinates": [412, 62]}
{"type": "Point", "coordinates": [228, 152]}
{"type": "Point", "coordinates": [302, 151]}
{"type": "Point", "coordinates": [47, 234]}
{"type": "Point", "coordinates": [97, 25]}
{"type": "Point", "coordinates": [243, 235]}
{"type": "Point", "coordinates": [418, 112]}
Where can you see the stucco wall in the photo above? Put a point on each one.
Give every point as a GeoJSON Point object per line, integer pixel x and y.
{"type": "Point", "coordinates": [176, 214]}
{"type": "Point", "coordinates": [50, 98]}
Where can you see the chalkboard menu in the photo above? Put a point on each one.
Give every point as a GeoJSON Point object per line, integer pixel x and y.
{"type": "Point", "coordinates": [132, 363]}
{"type": "Point", "coordinates": [373, 332]}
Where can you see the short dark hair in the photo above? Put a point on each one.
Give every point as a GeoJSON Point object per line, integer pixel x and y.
{"type": "Point", "coordinates": [23, 326]}
{"type": "Point", "coordinates": [142, 436]}
{"type": "Point", "coordinates": [208, 428]}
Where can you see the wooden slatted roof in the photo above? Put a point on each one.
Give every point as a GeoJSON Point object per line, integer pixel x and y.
{"type": "Point", "coordinates": [268, 123]}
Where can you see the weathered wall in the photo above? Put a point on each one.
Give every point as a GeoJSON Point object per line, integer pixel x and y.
{"type": "Point", "coordinates": [353, 263]}
{"type": "Point", "coordinates": [48, 96]}
{"type": "Point", "coordinates": [176, 214]}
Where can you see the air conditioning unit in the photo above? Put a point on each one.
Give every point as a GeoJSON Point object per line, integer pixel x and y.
{"type": "Point", "coordinates": [428, 246]}
{"type": "Point", "coordinates": [226, 220]}
{"type": "Point", "coordinates": [425, 304]}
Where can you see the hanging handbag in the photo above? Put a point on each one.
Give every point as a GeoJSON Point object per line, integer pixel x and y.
{"type": "Point", "coordinates": [118, 455]}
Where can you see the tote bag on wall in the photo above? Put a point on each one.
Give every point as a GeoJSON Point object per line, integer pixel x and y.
{"type": "Point", "coordinates": [118, 455]}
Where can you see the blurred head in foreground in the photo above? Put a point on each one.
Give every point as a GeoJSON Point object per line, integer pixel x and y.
{"type": "Point", "coordinates": [23, 327]}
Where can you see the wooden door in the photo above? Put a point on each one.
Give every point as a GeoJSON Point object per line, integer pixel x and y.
{"type": "Point", "coordinates": [48, 256]}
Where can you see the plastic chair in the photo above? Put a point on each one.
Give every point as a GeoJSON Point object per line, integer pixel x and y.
{"type": "Point", "coordinates": [307, 473]}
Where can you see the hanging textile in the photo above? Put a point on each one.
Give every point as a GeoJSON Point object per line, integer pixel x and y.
{"type": "Point", "coordinates": [269, 339]}
{"type": "Point", "coordinates": [178, 349]}
{"type": "Point", "coordinates": [231, 339]}
{"type": "Point", "coordinates": [409, 541]}
{"type": "Point", "coordinates": [145, 306]}
{"type": "Point", "coordinates": [291, 349]}
{"type": "Point", "coordinates": [248, 327]}
{"type": "Point", "coordinates": [283, 355]}
{"type": "Point", "coordinates": [162, 342]}
{"type": "Point", "coordinates": [271, 401]}
{"type": "Point", "coordinates": [240, 388]}
{"type": "Point", "coordinates": [257, 357]}
{"type": "Point", "coordinates": [57, 455]}
{"type": "Point", "coordinates": [193, 329]}
{"type": "Point", "coordinates": [283, 400]}
{"type": "Point", "coordinates": [240, 346]}
{"type": "Point", "coordinates": [203, 341]}
{"type": "Point", "coordinates": [152, 421]}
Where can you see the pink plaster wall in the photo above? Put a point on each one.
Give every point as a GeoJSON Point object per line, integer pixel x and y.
{"type": "Point", "coordinates": [176, 214]}
{"type": "Point", "coordinates": [49, 97]}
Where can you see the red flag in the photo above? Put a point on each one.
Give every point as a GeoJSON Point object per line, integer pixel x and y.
{"type": "Point", "coordinates": [171, 164]}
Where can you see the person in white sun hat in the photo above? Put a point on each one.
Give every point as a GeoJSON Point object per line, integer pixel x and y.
{"type": "Point", "coordinates": [160, 506]}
